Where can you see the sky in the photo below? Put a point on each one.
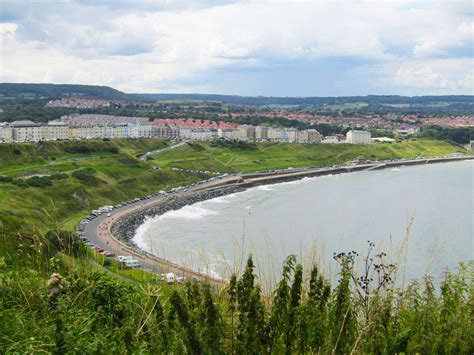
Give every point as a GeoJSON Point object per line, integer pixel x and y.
{"type": "Point", "coordinates": [268, 48]}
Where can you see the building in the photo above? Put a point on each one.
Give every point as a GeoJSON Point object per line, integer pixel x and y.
{"type": "Point", "coordinates": [383, 140]}
{"type": "Point", "coordinates": [134, 130]}
{"type": "Point", "coordinates": [54, 131]}
{"type": "Point", "coordinates": [78, 103]}
{"type": "Point", "coordinates": [161, 131]}
{"type": "Point", "coordinates": [275, 134]}
{"type": "Point", "coordinates": [6, 133]}
{"type": "Point", "coordinates": [261, 133]}
{"type": "Point", "coordinates": [314, 136]}
{"type": "Point", "coordinates": [358, 137]}
{"type": "Point", "coordinates": [289, 135]}
{"type": "Point", "coordinates": [26, 131]}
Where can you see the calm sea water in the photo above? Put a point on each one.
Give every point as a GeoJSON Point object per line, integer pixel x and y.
{"type": "Point", "coordinates": [422, 216]}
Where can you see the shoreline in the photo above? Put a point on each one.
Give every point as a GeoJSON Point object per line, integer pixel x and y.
{"type": "Point", "coordinates": [123, 229]}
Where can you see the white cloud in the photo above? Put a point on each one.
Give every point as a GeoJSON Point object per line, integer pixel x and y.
{"type": "Point", "coordinates": [152, 46]}
{"type": "Point", "coordinates": [422, 76]}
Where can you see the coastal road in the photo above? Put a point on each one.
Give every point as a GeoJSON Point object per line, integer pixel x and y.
{"type": "Point", "coordinates": [98, 232]}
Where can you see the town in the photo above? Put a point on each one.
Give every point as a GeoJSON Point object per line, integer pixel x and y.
{"type": "Point", "coordinates": [92, 126]}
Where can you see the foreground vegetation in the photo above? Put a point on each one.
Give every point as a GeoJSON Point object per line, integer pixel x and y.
{"type": "Point", "coordinates": [52, 299]}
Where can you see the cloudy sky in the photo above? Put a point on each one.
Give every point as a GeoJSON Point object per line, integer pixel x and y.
{"type": "Point", "coordinates": [284, 48]}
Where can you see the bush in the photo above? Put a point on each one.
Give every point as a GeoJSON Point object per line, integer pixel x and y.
{"type": "Point", "coordinates": [6, 179]}
{"type": "Point", "coordinates": [86, 175]}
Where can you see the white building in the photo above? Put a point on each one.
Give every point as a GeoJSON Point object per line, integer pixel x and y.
{"type": "Point", "coordinates": [275, 134]}
{"type": "Point", "coordinates": [54, 131]}
{"type": "Point", "coordinates": [6, 133]}
{"type": "Point", "coordinates": [358, 137]}
{"type": "Point", "coordinates": [261, 133]}
{"type": "Point", "coordinates": [26, 131]}
{"type": "Point", "coordinates": [289, 135]}
{"type": "Point", "coordinates": [330, 140]}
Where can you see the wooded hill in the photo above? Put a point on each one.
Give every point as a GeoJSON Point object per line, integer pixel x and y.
{"type": "Point", "coordinates": [13, 91]}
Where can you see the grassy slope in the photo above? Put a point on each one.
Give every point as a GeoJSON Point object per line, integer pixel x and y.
{"type": "Point", "coordinates": [276, 156]}
{"type": "Point", "coordinates": [121, 176]}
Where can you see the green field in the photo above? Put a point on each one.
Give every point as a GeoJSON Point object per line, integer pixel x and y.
{"type": "Point", "coordinates": [346, 106]}
{"type": "Point", "coordinates": [267, 156]}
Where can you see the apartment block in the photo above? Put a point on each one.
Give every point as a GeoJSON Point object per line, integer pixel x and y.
{"type": "Point", "coordinates": [358, 137]}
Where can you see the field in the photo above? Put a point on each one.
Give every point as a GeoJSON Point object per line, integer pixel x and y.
{"type": "Point", "coordinates": [268, 156]}
{"type": "Point", "coordinates": [346, 106]}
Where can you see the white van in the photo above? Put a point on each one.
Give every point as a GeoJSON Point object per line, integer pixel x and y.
{"type": "Point", "coordinates": [122, 258]}
{"type": "Point", "coordinates": [131, 263]}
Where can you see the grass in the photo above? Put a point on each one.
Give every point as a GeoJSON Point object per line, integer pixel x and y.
{"type": "Point", "coordinates": [268, 156]}
{"type": "Point", "coordinates": [118, 175]}
{"type": "Point", "coordinates": [93, 308]}
{"type": "Point", "coordinates": [347, 106]}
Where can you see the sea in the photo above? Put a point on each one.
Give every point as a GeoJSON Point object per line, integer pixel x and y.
{"type": "Point", "coordinates": [420, 216]}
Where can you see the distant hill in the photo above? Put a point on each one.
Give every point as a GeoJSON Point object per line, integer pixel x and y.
{"type": "Point", "coordinates": [315, 101]}
{"type": "Point", "coordinates": [13, 91]}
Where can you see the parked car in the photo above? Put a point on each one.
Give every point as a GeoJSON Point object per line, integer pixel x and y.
{"type": "Point", "coordinates": [122, 258]}
{"type": "Point", "coordinates": [170, 278]}
{"type": "Point", "coordinates": [181, 279]}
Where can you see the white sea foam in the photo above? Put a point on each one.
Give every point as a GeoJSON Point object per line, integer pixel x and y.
{"type": "Point", "coordinates": [195, 211]}
{"type": "Point", "coordinates": [141, 233]}
{"type": "Point", "coordinates": [264, 188]}
{"type": "Point", "coordinates": [304, 180]}
{"type": "Point", "coordinates": [221, 199]}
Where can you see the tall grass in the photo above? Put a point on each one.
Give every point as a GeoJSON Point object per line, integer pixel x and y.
{"type": "Point", "coordinates": [92, 309]}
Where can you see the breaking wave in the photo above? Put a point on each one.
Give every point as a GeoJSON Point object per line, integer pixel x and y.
{"type": "Point", "coordinates": [188, 212]}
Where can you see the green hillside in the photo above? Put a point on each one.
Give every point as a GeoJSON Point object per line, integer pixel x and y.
{"type": "Point", "coordinates": [224, 156]}
{"type": "Point", "coordinates": [14, 91]}
{"type": "Point", "coordinates": [56, 183]}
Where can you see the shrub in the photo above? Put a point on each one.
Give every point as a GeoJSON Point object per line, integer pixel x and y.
{"type": "Point", "coordinates": [6, 179]}
{"type": "Point", "coordinates": [86, 175]}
